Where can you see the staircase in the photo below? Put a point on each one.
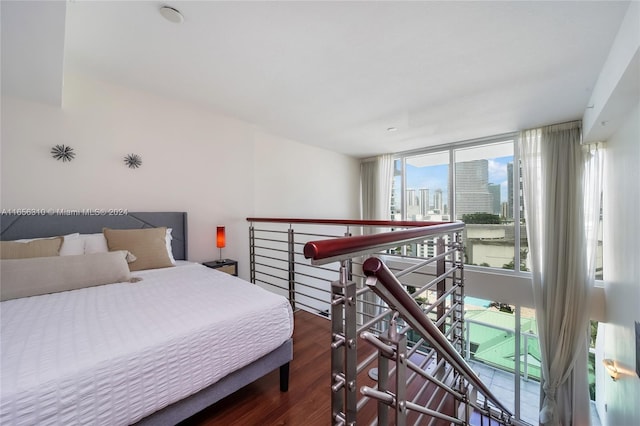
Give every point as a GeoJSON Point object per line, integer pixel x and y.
{"type": "Point", "coordinates": [413, 341]}
{"type": "Point", "coordinates": [396, 303]}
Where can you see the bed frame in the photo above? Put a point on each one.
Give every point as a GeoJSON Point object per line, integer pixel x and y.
{"type": "Point", "coordinates": [13, 227]}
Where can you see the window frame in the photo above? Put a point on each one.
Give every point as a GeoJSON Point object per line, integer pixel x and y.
{"type": "Point", "coordinates": [450, 149]}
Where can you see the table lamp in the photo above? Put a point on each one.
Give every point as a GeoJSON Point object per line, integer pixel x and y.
{"type": "Point", "coordinates": [220, 241]}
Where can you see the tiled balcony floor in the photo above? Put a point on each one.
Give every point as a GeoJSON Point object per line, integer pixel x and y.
{"type": "Point", "coordinates": [501, 383]}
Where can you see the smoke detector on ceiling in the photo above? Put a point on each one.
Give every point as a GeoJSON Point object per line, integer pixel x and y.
{"type": "Point", "coordinates": [171, 14]}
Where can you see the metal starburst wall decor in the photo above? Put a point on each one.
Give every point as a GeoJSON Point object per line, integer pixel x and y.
{"type": "Point", "coordinates": [62, 152]}
{"type": "Point", "coordinates": [133, 161]}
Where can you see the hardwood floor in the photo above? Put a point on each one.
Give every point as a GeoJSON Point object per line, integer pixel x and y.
{"type": "Point", "coordinates": [308, 401]}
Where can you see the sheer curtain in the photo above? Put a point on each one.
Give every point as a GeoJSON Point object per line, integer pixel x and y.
{"type": "Point", "coordinates": [561, 184]}
{"type": "Point", "coordinates": [375, 188]}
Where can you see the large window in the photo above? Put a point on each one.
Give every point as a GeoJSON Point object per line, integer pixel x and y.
{"type": "Point", "coordinates": [478, 183]}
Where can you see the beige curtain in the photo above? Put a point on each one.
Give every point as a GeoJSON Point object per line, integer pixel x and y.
{"type": "Point", "coordinates": [375, 188]}
{"type": "Point", "coordinates": [561, 184]}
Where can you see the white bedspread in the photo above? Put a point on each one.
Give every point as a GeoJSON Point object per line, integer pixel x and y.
{"type": "Point", "coordinates": [111, 355]}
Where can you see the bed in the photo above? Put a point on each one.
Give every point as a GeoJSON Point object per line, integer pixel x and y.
{"type": "Point", "coordinates": [154, 349]}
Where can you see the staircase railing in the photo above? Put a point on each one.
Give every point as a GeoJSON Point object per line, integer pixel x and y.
{"type": "Point", "coordinates": [386, 285]}
{"type": "Point", "coordinates": [397, 337]}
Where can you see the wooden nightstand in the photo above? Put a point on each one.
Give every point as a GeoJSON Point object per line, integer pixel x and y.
{"type": "Point", "coordinates": [229, 266]}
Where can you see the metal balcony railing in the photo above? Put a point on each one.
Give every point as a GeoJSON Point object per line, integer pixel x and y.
{"type": "Point", "coordinates": [397, 337]}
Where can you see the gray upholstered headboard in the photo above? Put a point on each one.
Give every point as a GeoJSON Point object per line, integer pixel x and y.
{"type": "Point", "coordinates": [14, 227]}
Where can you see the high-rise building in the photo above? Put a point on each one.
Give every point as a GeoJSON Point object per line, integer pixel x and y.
{"type": "Point", "coordinates": [424, 201]}
{"type": "Point", "coordinates": [494, 190]}
{"type": "Point", "coordinates": [438, 206]}
{"type": "Point", "coordinates": [504, 210]}
{"type": "Point", "coordinates": [396, 187]}
{"type": "Point", "coordinates": [412, 200]}
{"type": "Point", "coordinates": [413, 205]}
{"type": "Point", "coordinates": [472, 192]}
{"type": "Point", "coordinates": [510, 189]}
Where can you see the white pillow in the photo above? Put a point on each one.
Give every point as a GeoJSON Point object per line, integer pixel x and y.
{"type": "Point", "coordinates": [72, 244]}
{"type": "Point", "coordinates": [94, 243]}
{"type": "Point", "coordinates": [168, 239]}
{"type": "Point", "coordinates": [97, 243]}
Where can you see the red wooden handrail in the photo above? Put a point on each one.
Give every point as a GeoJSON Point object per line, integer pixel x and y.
{"type": "Point", "coordinates": [330, 248]}
{"type": "Point", "coordinates": [379, 223]}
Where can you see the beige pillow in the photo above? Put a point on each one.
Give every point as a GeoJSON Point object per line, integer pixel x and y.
{"type": "Point", "coordinates": [45, 247]}
{"type": "Point", "coordinates": [147, 245]}
{"type": "Point", "coordinates": [71, 244]}
{"type": "Point", "coordinates": [42, 275]}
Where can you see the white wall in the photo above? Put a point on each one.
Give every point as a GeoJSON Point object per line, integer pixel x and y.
{"type": "Point", "coordinates": [194, 159]}
{"type": "Point", "coordinates": [316, 183]}
{"type": "Point", "coordinates": [621, 273]}
{"type": "Point", "coordinates": [616, 89]}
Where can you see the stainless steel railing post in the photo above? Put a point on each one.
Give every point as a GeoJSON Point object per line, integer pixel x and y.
{"type": "Point", "coordinates": [291, 267]}
{"type": "Point", "coordinates": [399, 343]}
{"type": "Point", "coordinates": [441, 286]}
{"type": "Point", "coordinates": [252, 254]}
{"type": "Point", "coordinates": [383, 386]}
{"type": "Point", "coordinates": [344, 356]}
{"type": "Point", "coordinates": [459, 280]}
{"type": "Point", "coordinates": [351, 350]}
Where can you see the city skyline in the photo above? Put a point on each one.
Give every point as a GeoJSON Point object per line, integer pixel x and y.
{"type": "Point", "coordinates": [436, 177]}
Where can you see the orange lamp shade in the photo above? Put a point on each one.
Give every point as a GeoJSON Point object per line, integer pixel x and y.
{"type": "Point", "coordinates": [220, 237]}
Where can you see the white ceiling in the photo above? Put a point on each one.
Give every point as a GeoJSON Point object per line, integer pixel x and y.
{"type": "Point", "coordinates": [338, 74]}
